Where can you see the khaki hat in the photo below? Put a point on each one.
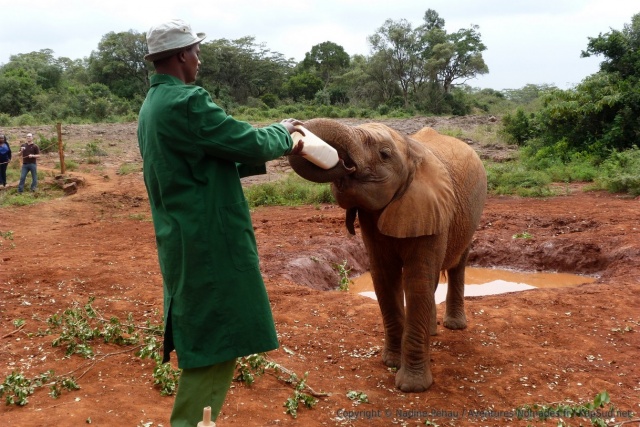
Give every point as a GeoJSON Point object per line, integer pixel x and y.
{"type": "Point", "coordinates": [170, 37]}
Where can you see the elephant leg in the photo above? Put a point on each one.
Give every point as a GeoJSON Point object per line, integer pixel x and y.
{"type": "Point", "coordinates": [454, 317]}
{"type": "Point", "coordinates": [433, 321]}
{"type": "Point", "coordinates": [414, 374]}
{"type": "Point", "coordinates": [387, 283]}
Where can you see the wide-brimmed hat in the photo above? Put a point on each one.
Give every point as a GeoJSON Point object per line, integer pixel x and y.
{"type": "Point", "coordinates": [170, 37]}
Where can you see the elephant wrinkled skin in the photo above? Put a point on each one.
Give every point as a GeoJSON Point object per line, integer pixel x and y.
{"type": "Point", "coordinates": [418, 200]}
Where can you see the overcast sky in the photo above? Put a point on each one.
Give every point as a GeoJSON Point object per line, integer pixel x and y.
{"type": "Point", "coordinates": [528, 41]}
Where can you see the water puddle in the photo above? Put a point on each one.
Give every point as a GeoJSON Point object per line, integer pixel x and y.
{"type": "Point", "coordinates": [488, 281]}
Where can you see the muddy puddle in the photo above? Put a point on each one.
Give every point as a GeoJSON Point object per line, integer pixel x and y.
{"type": "Point", "coordinates": [488, 281]}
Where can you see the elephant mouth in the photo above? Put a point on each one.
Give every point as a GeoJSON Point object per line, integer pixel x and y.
{"type": "Point", "coordinates": [360, 178]}
{"type": "Point", "coordinates": [340, 184]}
{"type": "Point", "coordinates": [339, 137]}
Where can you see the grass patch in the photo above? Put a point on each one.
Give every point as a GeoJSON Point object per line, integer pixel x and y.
{"type": "Point", "coordinates": [487, 134]}
{"type": "Point", "coordinates": [93, 160]}
{"type": "Point", "coordinates": [94, 149]}
{"type": "Point", "coordinates": [69, 165]}
{"type": "Point", "coordinates": [454, 132]}
{"type": "Point", "coordinates": [44, 193]}
{"type": "Point", "coordinates": [290, 191]}
{"type": "Point", "coordinates": [139, 217]}
{"type": "Point", "coordinates": [129, 168]}
{"type": "Point", "coordinates": [513, 178]}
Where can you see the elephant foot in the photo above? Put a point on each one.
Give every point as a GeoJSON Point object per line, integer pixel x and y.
{"type": "Point", "coordinates": [433, 328]}
{"type": "Point", "coordinates": [391, 358]}
{"type": "Point", "coordinates": [459, 321]}
{"type": "Point", "coordinates": [413, 381]}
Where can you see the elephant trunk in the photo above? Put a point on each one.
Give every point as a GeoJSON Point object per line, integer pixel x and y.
{"type": "Point", "coordinates": [313, 173]}
{"type": "Point", "coordinates": [336, 134]}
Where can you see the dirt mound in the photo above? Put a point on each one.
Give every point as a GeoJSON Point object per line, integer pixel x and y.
{"type": "Point", "coordinates": [539, 346]}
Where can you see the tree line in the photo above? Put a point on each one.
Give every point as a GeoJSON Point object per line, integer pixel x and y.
{"type": "Point", "coordinates": [410, 71]}
{"type": "Point", "coordinates": [416, 69]}
{"type": "Point", "coordinates": [590, 132]}
{"type": "Point", "coordinates": [598, 116]}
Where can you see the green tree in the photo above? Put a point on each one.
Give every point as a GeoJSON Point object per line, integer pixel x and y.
{"type": "Point", "coordinates": [328, 59]}
{"type": "Point", "coordinates": [426, 60]}
{"type": "Point", "coordinates": [241, 68]}
{"type": "Point", "coordinates": [18, 90]}
{"type": "Point", "coordinates": [620, 49]}
{"type": "Point", "coordinates": [398, 47]}
{"type": "Point", "coordinates": [119, 64]}
{"type": "Point", "coordinates": [303, 86]}
{"type": "Point", "coordinates": [601, 113]}
{"type": "Point", "coordinates": [517, 126]}
{"type": "Point", "coordinates": [25, 77]}
{"type": "Point", "coordinates": [45, 69]}
{"type": "Point", "coordinates": [366, 85]}
{"type": "Point", "coordinates": [458, 58]}
{"type": "Point", "coordinates": [75, 71]}
{"type": "Point", "coordinates": [454, 56]}
{"type": "Point", "coordinates": [529, 93]}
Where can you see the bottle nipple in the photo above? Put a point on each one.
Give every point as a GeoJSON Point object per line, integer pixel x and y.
{"type": "Point", "coordinates": [206, 418]}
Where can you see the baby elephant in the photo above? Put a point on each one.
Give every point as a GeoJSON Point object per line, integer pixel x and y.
{"type": "Point", "coordinates": [419, 199]}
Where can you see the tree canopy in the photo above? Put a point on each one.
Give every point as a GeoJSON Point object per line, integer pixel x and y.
{"type": "Point", "coordinates": [428, 56]}
{"type": "Point", "coordinates": [410, 68]}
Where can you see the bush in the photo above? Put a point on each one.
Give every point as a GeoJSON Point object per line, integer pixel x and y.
{"type": "Point", "coordinates": [517, 127]}
{"type": "Point", "coordinates": [351, 113]}
{"type": "Point", "coordinates": [256, 103]}
{"type": "Point", "coordinates": [510, 178]}
{"type": "Point", "coordinates": [5, 119]}
{"type": "Point", "coordinates": [270, 100]}
{"type": "Point", "coordinates": [328, 111]}
{"type": "Point", "coordinates": [581, 167]}
{"type": "Point", "coordinates": [322, 97]}
{"type": "Point", "coordinates": [539, 156]}
{"type": "Point", "coordinates": [289, 109]}
{"type": "Point", "coordinates": [47, 145]}
{"type": "Point", "coordinates": [25, 120]}
{"type": "Point", "coordinates": [69, 165]}
{"type": "Point", "coordinates": [383, 109]}
{"type": "Point", "coordinates": [621, 172]}
{"type": "Point", "coordinates": [93, 149]}
{"type": "Point", "coordinates": [398, 114]}
{"type": "Point", "coordinates": [366, 113]}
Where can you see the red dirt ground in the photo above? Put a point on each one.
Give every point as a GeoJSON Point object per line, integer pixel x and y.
{"type": "Point", "coordinates": [540, 346]}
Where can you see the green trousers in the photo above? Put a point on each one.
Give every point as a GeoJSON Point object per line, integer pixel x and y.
{"type": "Point", "coordinates": [199, 388]}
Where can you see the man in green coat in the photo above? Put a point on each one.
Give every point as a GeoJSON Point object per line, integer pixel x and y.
{"type": "Point", "coordinates": [215, 303]}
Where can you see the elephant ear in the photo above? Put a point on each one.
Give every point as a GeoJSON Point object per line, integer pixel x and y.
{"type": "Point", "coordinates": [427, 205]}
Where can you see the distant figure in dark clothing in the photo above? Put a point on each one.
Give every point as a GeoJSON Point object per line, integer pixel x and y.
{"type": "Point", "coordinates": [5, 158]}
{"type": "Point", "coordinates": [29, 153]}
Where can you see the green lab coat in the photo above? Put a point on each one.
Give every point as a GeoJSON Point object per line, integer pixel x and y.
{"type": "Point", "coordinates": [215, 303]}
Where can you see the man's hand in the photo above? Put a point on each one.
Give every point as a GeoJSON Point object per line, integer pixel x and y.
{"type": "Point", "coordinates": [294, 125]}
{"type": "Point", "coordinates": [297, 147]}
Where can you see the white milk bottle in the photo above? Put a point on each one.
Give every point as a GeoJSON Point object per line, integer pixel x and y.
{"type": "Point", "coordinates": [316, 150]}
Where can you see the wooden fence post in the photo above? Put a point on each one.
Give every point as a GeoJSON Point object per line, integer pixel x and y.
{"type": "Point", "coordinates": [60, 150]}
